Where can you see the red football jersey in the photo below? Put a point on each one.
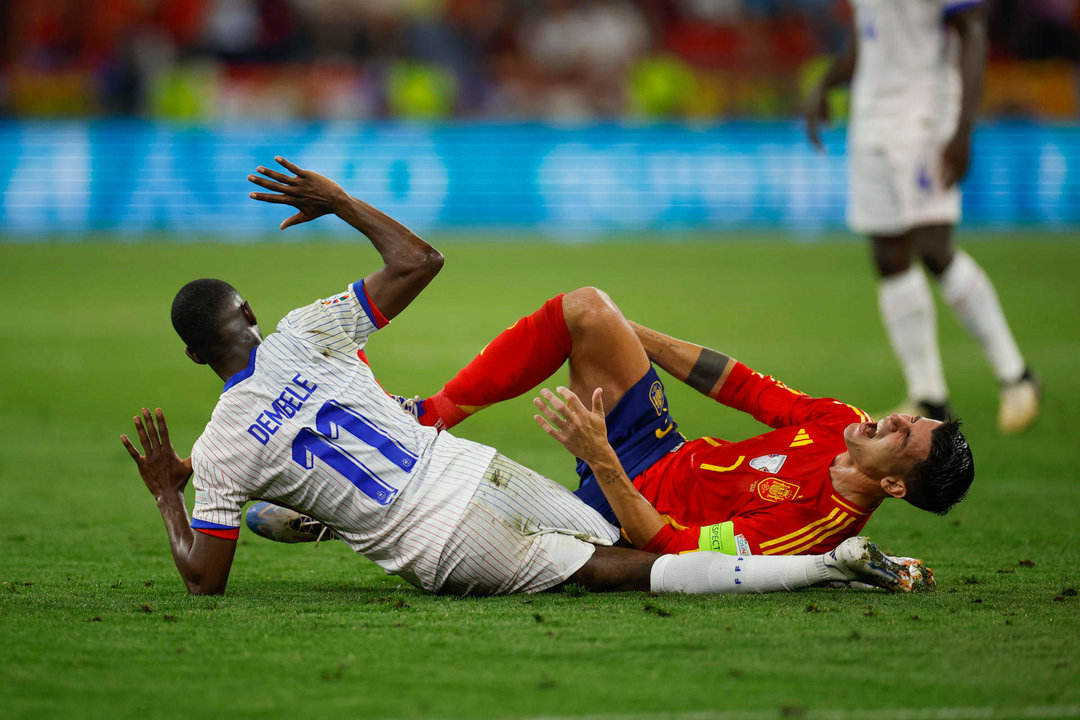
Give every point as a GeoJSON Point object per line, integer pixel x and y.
{"type": "Point", "coordinates": [770, 494]}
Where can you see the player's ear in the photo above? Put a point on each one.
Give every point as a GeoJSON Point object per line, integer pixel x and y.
{"type": "Point", "coordinates": [248, 313]}
{"type": "Point", "coordinates": [894, 486]}
{"type": "Point", "coordinates": [193, 357]}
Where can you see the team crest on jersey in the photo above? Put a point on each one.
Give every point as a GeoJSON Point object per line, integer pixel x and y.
{"type": "Point", "coordinates": [768, 463]}
{"type": "Point", "coordinates": [776, 490]}
{"type": "Point", "coordinates": [335, 300]}
{"type": "Point", "coordinates": [656, 396]}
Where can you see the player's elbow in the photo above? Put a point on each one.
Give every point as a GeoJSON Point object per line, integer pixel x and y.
{"type": "Point", "coordinates": [421, 266]}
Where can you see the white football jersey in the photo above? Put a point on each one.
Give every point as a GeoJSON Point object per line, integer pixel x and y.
{"type": "Point", "coordinates": [307, 426]}
{"type": "Point", "coordinates": [907, 77]}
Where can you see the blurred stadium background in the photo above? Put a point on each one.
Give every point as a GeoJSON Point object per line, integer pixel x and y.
{"type": "Point", "coordinates": [568, 118]}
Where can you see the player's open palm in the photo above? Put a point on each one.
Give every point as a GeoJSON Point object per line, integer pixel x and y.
{"type": "Point", "coordinates": [312, 194]}
{"type": "Point", "coordinates": [161, 468]}
{"type": "Point", "coordinates": [580, 430]}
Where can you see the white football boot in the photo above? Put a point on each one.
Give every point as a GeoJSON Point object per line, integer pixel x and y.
{"type": "Point", "coordinates": [864, 562]}
{"type": "Point", "coordinates": [1019, 404]}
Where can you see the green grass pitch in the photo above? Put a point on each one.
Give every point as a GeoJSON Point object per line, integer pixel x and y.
{"type": "Point", "coordinates": [94, 622]}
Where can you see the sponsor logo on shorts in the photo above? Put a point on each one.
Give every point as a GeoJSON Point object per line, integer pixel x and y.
{"type": "Point", "coordinates": [656, 396]}
{"type": "Point", "coordinates": [768, 463]}
{"type": "Point", "coordinates": [742, 545]}
{"type": "Point", "coordinates": [776, 490]}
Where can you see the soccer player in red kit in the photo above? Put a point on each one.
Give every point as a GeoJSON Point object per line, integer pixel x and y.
{"type": "Point", "coordinates": [804, 487]}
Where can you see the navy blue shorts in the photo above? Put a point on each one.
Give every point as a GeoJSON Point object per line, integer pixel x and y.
{"type": "Point", "coordinates": [641, 431]}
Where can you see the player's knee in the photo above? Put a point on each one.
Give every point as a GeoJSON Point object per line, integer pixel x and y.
{"type": "Point", "coordinates": [589, 309]}
{"type": "Point", "coordinates": [892, 255]}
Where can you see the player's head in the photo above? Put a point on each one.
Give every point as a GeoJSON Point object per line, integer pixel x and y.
{"type": "Point", "coordinates": [926, 462]}
{"type": "Point", "coordinates": [943, 478]}
{"type": "Point", "coordinates": [210, 317]}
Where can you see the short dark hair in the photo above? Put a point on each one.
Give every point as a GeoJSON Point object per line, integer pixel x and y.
{"type": "Point", "coordinates": [943, 478]}
{"type": "Point", "coordinates": [198, 312]}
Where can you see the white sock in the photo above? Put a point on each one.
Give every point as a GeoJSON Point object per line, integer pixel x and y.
{"type": "Point", "coordinates": [907, 309]}
{"type": "Point", "coordinates": [971, 295]}
{"type": "Point", "coordinates": [713, 572]}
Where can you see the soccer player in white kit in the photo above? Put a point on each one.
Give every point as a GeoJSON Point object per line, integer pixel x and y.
{"type": "Point", "coordinates": [916, 70]}
{"type": "Point", "coordinates": [303, 423]}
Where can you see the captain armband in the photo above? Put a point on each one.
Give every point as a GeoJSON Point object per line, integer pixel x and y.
{"type": "Point", "coordinates": [722, 538]}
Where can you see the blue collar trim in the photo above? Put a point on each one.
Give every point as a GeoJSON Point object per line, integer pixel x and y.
{"type": "Point", "coordinates": [243, 374]}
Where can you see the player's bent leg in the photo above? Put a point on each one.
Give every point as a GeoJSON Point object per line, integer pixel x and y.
{"type": "Point", "coordinates": [282, 524]}
{"type": "Point", "coordinates": [605, 351]}
{"type": "Point", "coordinates": [907, 311]}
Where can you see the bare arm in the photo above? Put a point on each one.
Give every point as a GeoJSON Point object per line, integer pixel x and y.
{"type": "Point", "coordinates": [970, 25]}
{"type": "Point", "coordinates": [410, 263]}
{"type": "Point", "coordinates": [840, 72]}
{"type": "Point", "coordinates": [204, 561]}
{"type": "Point", "coordinates": [584, 433]}
{"type": "Point", "coordinates": [699, 367]}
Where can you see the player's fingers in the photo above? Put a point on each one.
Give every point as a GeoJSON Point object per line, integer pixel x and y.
{"type": "Point", "coordinates": [163, 429]}
{"type": "Point", "coordinates": [289, 166]}
{"type": "Point", "coordinates": [572, 400]}
{"type": "Point", "coordinates": [546, 410]}
{"type": "Point", "coordinates": [275, 175]}
{"type": "Point", "coordinates": [598, 401]}
{"type": "Point", "coordinates": [151, 429]}
{"type": "Point", "coordinates": [270, 198]}
{"type": "Point", "coordinates": [131, 449]}
{"type": "Point", "coordinates": [294, 220]}
{"type": "Point", "coordinates": [557, 403]}
{"type": "Point", "coordinates": [143, 439]}
{"type": "Point", "coordinates": [269, 184]}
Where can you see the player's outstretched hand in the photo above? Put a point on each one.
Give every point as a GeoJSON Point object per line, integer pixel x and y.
{"type": "Point", "coordinates": [312, 194]}
{"type": "Point", "coordinates": [161, 468]}
{"type": "Point", "coordinates": [816, 113]}
{"type": "Point", "coordinates": [578, 429]}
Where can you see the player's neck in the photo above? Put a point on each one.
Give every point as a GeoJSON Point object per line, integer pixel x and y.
{"type": "Point", "coordinates": [853, 484]}
{"type": "Point", "coordinates": [236, 360]}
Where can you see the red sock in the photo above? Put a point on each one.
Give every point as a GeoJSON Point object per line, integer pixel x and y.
{"type": "Point", "coordinates": [517, 360]}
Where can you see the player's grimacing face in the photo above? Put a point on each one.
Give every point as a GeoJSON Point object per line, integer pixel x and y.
{"type": "Point", "coordinates": [891, 446]}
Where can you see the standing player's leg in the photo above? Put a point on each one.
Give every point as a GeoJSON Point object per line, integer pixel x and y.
{"type": "Point", "coordinates": [583, 326]}
{"type": "Point", "coordinates": [907, 311]}
{"type": "Point", "coordinates": [969, 292]}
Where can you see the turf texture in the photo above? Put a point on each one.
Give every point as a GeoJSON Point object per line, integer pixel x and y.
{"type": "Point", "coordinates": [94, 622]}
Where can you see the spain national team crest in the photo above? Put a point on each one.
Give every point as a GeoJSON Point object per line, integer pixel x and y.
{"type": "Point", "coordinates": [768, 463]}
{"type": "Point", "coordinates": [777, 490]}
{"type": "Point", "coordinates": [656, 395]}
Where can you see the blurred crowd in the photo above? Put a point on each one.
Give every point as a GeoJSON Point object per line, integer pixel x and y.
{"type": "Point", "coordinates": [505, 59]}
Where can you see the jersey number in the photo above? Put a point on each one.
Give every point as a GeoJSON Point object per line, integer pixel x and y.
{"type": "Point", "coordinates": [329, 422]}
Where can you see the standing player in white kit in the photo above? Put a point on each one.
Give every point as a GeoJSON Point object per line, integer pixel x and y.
{"type": "Point", "coordinates": [302, 422]}
{"type": "Point", "coordinates": [916, 68]}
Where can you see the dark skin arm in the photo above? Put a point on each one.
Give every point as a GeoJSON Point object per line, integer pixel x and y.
{"type": "Point", "coordinates": [970, 26]}
{"type": "Point", "coordinates": [699, 367]}
{"type": "Point", "coordinates": [410, 263]}
{"type": "Point", "coordinates": [816, 106]}
{"type": "Point", "coordinates": [203, 560]}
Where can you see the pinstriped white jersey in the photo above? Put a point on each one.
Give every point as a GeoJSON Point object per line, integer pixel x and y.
{"type": "Point", "coordinates": [907, 78]}
{"type": "Point", "coordinates": [306, 425]}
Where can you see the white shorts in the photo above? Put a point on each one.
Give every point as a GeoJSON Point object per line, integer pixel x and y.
{"type": "Point", "coordinates": [521, 533]}
{"type": "Point", "coordinates": [894, 189]}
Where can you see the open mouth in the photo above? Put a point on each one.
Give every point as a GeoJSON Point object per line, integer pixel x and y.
{"type": "Point", "coordinates": [870, 429]}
